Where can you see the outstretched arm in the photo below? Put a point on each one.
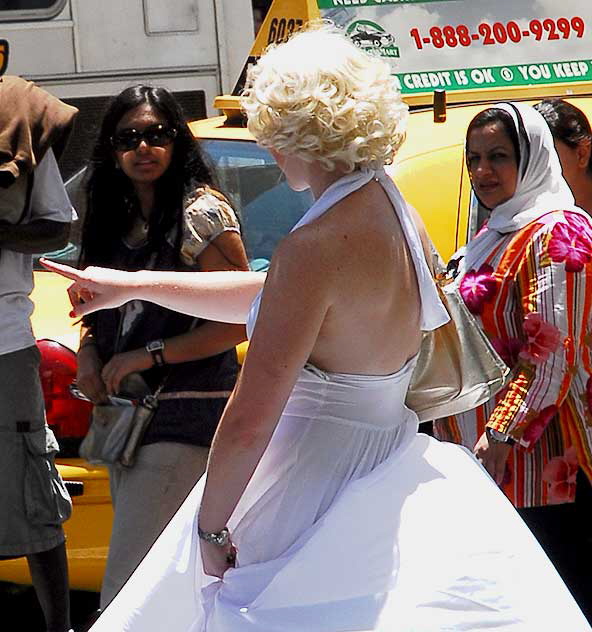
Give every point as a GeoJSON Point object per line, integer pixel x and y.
{"type": "Point", "coordinates": [223, 296]}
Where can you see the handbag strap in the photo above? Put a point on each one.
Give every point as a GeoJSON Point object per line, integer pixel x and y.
{"type": "Point", "coordinates": [163, 382]}
{"type": "Point", "coordinates": [151, 401]}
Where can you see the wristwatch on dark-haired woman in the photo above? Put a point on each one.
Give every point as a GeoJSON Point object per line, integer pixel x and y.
{"type": "Point", "coordinates": [155, 348]}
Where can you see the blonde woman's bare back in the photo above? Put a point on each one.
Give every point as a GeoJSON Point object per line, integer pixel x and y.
{"type": "Point", "coordinates": [356, 255]}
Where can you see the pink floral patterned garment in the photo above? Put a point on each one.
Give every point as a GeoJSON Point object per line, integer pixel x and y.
{"type": "Point", "coordinates": [532, 293]}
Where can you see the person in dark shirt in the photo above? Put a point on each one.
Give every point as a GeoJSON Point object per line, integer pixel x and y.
{"type": "Point", "coordinates": [151, 204]}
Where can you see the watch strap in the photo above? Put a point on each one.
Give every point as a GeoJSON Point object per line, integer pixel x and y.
{"type": "Point", "coordinates": [499, 437]}
{"type": "Point", "coordinates": [155, 348]}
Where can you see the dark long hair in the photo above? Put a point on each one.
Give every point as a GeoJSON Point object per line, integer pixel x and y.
{"type": "Point", "coordinates": [497, 115]}
{"type": "Point", "coordinates": [111, 199]}
{"type": "Point", "coordinates": [566, 122]}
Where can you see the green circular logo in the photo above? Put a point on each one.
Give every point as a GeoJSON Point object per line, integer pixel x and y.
{"type": "Point", "coordinates": [371, 36]}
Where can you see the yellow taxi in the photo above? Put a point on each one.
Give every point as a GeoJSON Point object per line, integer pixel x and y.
{"type": "Point", "coordinates": [443, 94]}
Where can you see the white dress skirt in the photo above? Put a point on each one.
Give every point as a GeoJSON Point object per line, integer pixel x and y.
{"type": "Point", "coordinates": [354, 522]}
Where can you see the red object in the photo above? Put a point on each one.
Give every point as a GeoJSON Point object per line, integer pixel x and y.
{"type": "Point", "coordinates": [67, 416]}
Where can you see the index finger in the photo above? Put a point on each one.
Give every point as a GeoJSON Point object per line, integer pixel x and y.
{"type": "Point", "coordinates": [67, 271]}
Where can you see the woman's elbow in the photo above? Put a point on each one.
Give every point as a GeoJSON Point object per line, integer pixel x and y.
{"type": "Point", "coordinates": [246, 434]}
{"type": "Point", "coordinates": [232, 334]}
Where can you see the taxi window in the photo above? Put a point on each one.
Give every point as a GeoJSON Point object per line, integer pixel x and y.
{"type": "Point", "coordinates": [251, 179]}
{"type": "Point", "coordinates": [267, 207]}
{"type": "Point", "coordinates": [477, 216]}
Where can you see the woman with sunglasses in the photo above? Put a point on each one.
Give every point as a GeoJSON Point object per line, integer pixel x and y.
{"type": "Point", "coordinates": [150, 205]}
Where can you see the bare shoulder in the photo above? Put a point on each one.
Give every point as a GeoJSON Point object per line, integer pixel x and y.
{"type": "Point", "coordinates": [302, 258]}
{"type": "Point", "coordinates": [355, 236]}
{"type": "Point", "coordinates": [363, 223]}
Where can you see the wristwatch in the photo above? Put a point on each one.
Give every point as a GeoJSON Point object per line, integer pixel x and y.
{"type": "Point", "coordinates": [155, 348]}
{"type": "Point", "coordinates": [221, 538]}
{"type": "Point", "coordinates": [499, 437]}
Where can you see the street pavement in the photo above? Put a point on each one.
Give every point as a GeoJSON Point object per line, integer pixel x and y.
{"type": "Point", "coordinates": [21, 611]}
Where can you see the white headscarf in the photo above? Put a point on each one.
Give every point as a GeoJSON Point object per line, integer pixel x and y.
{"type": "Point", "coordinates": [540, 187]}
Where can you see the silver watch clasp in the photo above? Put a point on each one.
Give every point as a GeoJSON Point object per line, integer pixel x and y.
{"type": "Point", "coordinates": [221, 538]}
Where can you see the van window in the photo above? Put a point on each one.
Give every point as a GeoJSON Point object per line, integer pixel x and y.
{"type": "Point", "coordinates": [30, 9]}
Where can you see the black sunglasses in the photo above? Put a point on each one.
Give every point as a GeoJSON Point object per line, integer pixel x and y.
{"type": "Point", "coordinates": [154, 135]}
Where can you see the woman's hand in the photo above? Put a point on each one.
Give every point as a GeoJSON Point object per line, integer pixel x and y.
{"type": "Point", "coordinates": [122, 364]}
{"type": "Point", "coordinates": [94, 288]}
{"type": "Point", "coordinates": [493, 455]}
{"type": "Point", "coordinates": [88, 375]}
{"type": "Point", "coordinates": [217, 560]}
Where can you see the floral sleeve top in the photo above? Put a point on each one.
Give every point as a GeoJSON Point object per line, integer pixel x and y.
{"type": "Point", "coordinates": [207, 215]}
{"type": "Point", "coordinates": [532, 293]}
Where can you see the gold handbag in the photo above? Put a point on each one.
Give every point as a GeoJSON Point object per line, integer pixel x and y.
{"type": "Point", "coordinates": [457, 369]}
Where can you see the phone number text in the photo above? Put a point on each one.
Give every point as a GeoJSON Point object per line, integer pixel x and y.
{"type": "Point", "coordinates": [499, 33]}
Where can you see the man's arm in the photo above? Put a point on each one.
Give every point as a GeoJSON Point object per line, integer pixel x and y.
{"type": "Point", "coordinates": [38, 236]}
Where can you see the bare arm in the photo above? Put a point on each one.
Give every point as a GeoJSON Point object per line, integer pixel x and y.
{"type": "Point", "coordinates": [218, 298]}
{"type": "Point", "coordinates": [211, 338]}
{"type": "Point", "coordinates": [207, 340]}
{"type": "Point", "coordinates": [294, 305]}
{"type": "Point", "coordinates": [34, 237]}
{"type": "Point", "coordinates": [224, 296]}
{"type": "Point", "coordinates": [226, 252]}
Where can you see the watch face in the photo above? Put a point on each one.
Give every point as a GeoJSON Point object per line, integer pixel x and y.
{"type": "Point", "coordinates": [499, 436]}
{"type": "Point", "coordinates": [155, 345]}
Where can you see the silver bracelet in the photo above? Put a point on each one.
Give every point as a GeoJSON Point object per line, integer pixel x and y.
{"type": "Point", "coordinates": [221, 538]}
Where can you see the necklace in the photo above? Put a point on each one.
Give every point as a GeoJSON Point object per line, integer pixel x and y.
{"type": "Point", "coordinates": [138, 235]}
{"type": "Point", "coordinates": [142, 222]}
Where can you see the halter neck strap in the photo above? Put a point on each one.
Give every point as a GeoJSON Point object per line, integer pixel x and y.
{"type": "Point", "coordinates": [433, 312]}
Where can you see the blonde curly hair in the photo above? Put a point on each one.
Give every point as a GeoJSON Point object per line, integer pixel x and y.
{"type": "Point", "coordinates": [321, 98]}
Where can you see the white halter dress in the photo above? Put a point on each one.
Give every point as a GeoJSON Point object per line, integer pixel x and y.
{"type": "Point", "coordinates": [354, 522]}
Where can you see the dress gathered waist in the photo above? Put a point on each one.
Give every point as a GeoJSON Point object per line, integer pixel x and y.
{"type": "Point", "coordinates": [370, 402]}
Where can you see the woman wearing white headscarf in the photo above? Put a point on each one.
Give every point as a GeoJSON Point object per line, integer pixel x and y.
{"type": "Point", "coordinates": [527, 277]}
